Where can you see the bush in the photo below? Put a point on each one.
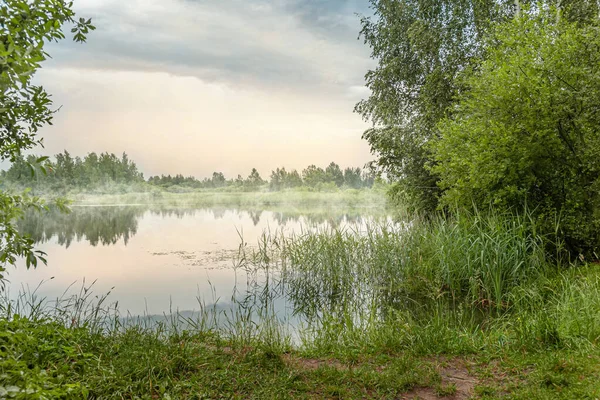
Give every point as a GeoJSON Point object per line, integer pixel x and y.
{"type": "Point", "coordinates": [39, 359]}
{"type": "Point", "coordinates": [527, 133]}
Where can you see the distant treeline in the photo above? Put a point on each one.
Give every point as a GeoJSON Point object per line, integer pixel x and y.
{"type": "Point", "coordinates": [95, 170]}
{"type": "Point", "coordinates": [66, 170]}
{"type": "Point", "coordinates": [312, 176]}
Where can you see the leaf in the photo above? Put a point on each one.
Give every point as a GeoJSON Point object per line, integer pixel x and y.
{"type": "Point", "coordinates": [31, 169]}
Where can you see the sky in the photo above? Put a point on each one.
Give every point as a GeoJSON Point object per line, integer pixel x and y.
{"type": "Point", "coordinates": [196, 86]}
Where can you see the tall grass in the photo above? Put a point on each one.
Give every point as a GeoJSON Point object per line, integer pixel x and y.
{"type": "Point", "coordinates": [471, 256]}
{"type": "Point", "coordinates": [437, 285]}
{"type": "Point", "coordinates": [443, 284]}
{"type": "Point", "coordinates": [482, 257]}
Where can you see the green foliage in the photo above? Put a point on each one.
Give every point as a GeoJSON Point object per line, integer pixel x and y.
{"type": "Point", "coordinates": [471, 257]}
{"type": "Point", "coordinates": [180, 180]}
{"type": "Point", "coordinates": [281, 179]}
{"type": "Point", "coordinates": [38, 360]}
{"type": "Point", "coordinates": [45, 360]}
{"type": "Point", "coordinates": [334, 174]}
{"type": "Point", "coordinates": [422, 49]}
{"type": "Point", "coordinates": [98, 172]}
{"type": "Point", "coordinates": [312, 175]}
{"type": "Point", "coordinates": [141, 363]}
{"type": "Point", "coordinates": [25, 27]}
{"type": "Point", "coordinates": [254, 181]}
{"type": "Point", "coordinates": [68, 172]}
{"type": "Point", "coordinates": [353, 178]}
{"type": "Point", "coordinates": [527, 132]}
{"type": "Point", "coordinates": [13, 243]}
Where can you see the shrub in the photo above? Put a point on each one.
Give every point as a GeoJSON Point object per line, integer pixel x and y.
{"type": "Point", "coordinates": [527, 132]}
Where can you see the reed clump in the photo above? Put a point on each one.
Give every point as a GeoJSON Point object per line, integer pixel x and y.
{"type": "Point", "coordinates": [333, 313]}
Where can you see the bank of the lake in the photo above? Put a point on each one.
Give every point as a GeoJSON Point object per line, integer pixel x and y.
{"type": "Point", "coordinates": [462, 306]}
{"type": "Point", "coordinates": [41, 359]}
{"type": "Point", "coordinates": [364, 198]}
{"type": "Point", "coordinates": [157, 256]}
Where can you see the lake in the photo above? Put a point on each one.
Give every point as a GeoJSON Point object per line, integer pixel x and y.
{"type": "Point", "coordinates": [158, 259]}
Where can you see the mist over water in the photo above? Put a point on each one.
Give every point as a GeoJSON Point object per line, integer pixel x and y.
{"type": "Point", "coordinates": [158, 259]}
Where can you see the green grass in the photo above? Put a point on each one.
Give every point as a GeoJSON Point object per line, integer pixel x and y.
{"type": "Point", "coordinates": [339, 199]}
{"type": "Point", "coordinates": [43, 359]}
{"type": "Point", "coordinates": [73, 363]}
{"type": "Point", "coordinates": [146, 194]}
{"type": "Point", "coordinates": [465, 305]}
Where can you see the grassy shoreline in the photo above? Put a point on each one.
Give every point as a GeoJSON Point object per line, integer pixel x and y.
{"type": "Point", "coordinates": [45, 359]}
{"type": "Point", "coordinates": [339, 199]}
{"type": "Point", "coordinates": [468, 305]}
{"type": "Point", "coordinates": [374, 197]}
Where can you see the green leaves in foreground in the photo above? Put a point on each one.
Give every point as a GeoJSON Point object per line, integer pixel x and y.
{"type": "Point", "coordinates": [527, 131]}
{"type": "Point", "coordinates": [39, 359]}
{"type": "Point", "coordinates": [25, 27]}
{"type": "Point", "coordinates": [13, 243]}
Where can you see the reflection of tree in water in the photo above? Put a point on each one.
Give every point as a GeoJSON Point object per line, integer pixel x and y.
{"type": "Point", "coordinates": [283, 218]}
{"type": "Point", "coordinates": [218, 213]}
{"type": "Point", "coordinates": [104, 225]}
{"type": "Point", "coordinates": [174, 212]}
{"type": "Point", "coordinates": [255, 216]}
{"type": "Point", "coordinates": [333, 219]}
{"type": "Point", "coordinates": [108, 225]}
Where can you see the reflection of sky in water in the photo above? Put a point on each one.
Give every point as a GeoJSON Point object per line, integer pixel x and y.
{"type": "Point", "coordinates": [157, 259]}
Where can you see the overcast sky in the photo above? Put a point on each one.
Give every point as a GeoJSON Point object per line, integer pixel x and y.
{"type": "Point", "coordinates": [196, 86]}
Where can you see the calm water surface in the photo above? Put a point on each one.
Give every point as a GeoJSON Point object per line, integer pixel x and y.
{"type": "Point", "coordinates": [158, 259]}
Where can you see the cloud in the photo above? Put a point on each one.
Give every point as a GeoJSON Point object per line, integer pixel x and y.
{"type": "Point", "coordinates": [334, 19]}
{"type": "Point", "coordinates": [194, 86]}
{"type": "Point", "coordinates": [298, 44]}
{"type": "Point", "coordinates": [173, 124]}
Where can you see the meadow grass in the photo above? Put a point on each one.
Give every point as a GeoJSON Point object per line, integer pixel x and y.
{"type": "Point", "coordinates": [370, 198]}
{"type": "Point", "coordinates": [468, 305]}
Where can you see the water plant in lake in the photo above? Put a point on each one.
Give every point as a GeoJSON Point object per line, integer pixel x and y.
{"type": "Point", "coordinates": [372, 307]}
{"type": "Point", "coordinates": [445, 284]}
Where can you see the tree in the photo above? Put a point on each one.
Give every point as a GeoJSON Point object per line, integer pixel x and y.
{"type": "Point", "coordinates": [25, 27]}
{"type": "Point", "coordinates": [293, 179]}
{"type": "Point", "coordinates": [281, 179]}
{"type": "Point", "coordinates": [352, 178]}
{"type": "Point", "coordinates": [65, 166]}
{"type": "Point", "coordinates": [422, 48]}
{"type": "Point", "coordinates": [254, 180]}
{"type": "Point", "coordinates": [278, 178]}
{"type": "Point", "coordinates": [313, 175]}
{"type": "Point", "coordinates": [239, 181]}
{"type": "Point", "coordinates": [527, 132]}
{"type": "Point", "coordinates": [334, 174]}
{"type": "Point", "coordinates": [20, 170]}
{"type": "Point", "coordinates": [218, 180]}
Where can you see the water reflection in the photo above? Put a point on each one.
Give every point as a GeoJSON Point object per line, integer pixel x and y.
{"type": "Point", "coordinates": [156, 257]}
{"type": "Point", "coordinates": [107, 225]}
{"type": "Point", "coordinates": [96, 225]}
